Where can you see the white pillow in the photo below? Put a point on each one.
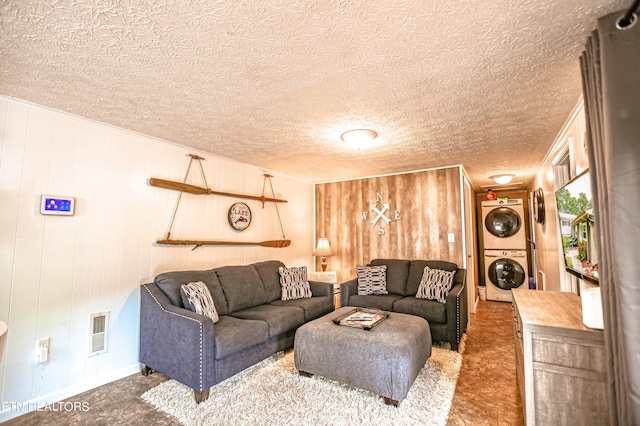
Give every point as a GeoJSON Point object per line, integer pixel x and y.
{"type": "Point", "coordinates": [294, 282]}
{"type": "Point", "coordinates": [435, 284]}
{"type": "Point", "coordinates": [197, 298]}
{"type": "Point", "coordinates": [372, 279]}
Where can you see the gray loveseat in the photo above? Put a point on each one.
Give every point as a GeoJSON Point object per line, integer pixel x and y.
{"type": "Point", "coordinates": [254, 323]}
{"type": "Point", "coordinates": [447, 321]}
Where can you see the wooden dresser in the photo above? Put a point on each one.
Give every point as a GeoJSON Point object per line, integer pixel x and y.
{"type": "Point", "coordinates": [560, 363]}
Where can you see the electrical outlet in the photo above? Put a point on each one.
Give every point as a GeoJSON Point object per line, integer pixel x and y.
{"type": "Point", "coordinates": [451, 237]}
{"type": "Point", "coordinates": [42, 349]}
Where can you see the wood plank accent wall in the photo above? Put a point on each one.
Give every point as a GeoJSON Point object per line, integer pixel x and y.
{"type": "Point", "coordinates": [429, 205]}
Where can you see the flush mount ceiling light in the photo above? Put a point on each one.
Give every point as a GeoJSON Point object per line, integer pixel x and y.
{"type": "Point", "coordinates": [359, 138]}
{"type": "Point", "coordinates": [503, 179]}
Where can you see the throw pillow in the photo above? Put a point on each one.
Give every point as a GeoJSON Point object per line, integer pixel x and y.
{"type": "Point", "coordinates": [294, 282]}
{"type": "Point", "coordinates": [435, 284]}
{"type": "Point", "coordinates": [372, 279]}
{"type": "Point", "coordinates": [197, 298]}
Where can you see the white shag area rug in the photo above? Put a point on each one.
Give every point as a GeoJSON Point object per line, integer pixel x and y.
{"type": "Point", "coordinates": [273, 393]}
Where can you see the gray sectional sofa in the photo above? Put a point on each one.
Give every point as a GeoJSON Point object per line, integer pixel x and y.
{"type": "Point", "coordinates": [447, 321]}
{"type": "Point", "coordinates": [254, 323]}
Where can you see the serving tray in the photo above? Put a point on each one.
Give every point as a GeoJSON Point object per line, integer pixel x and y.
{"type": "Point", "coordinates": [364, 318]}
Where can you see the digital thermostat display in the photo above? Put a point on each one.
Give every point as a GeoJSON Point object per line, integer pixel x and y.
{"type": "Point", "coordinates": [51, 204]}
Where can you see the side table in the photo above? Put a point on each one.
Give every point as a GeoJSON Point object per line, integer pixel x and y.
{"type": "Point", "coordinates": [327, 277]}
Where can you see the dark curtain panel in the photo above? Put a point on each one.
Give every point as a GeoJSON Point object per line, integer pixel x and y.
{"type": "Point", "coordinates": [611, 82]}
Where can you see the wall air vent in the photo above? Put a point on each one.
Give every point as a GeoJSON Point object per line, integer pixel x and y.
{"type": "Point", "coordinates": [98, 326]}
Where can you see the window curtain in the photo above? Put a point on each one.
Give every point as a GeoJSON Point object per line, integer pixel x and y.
{"type": "Point", "coordinates": [611, 83]}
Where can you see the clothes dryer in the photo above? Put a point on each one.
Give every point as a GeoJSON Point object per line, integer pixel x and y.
{"type": "Point", "coordinates": [504, 271]}
{"type": "Point", "coordinates": [503, 225]}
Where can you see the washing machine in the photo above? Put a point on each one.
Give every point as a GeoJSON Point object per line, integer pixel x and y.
{"type": "Point", "coordinates": [504, 271]}
{"type": "Point", "coordinates": [503, 224]}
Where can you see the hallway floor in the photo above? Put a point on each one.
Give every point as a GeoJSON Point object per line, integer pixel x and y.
{"type": "Point", "coordinates": [487, 391]}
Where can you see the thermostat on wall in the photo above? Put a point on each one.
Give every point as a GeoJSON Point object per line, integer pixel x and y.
{"type": "Point", "coordinates": [53, 204]}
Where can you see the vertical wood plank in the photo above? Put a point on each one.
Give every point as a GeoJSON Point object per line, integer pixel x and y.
{"type": "Point", "coordinates": [14, 273]}
{"type": "Point", "coordinates": [430, 207]}
{"type": "Point", "coordinates": [7, 222]}
{"type": "Point", "coordinates": [58, 246]}
{"type": "Point", "coordinates": [29, 274]}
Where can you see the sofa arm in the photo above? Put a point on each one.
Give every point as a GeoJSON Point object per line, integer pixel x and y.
{"type": "Point", "coordinates": [176, 341]}
{"type": "Point", "coordinates": [457, 311]}
{"type": "Point", "coordinates": [347, 289]}
{"type": "Point", "coordinates": [321, 289]}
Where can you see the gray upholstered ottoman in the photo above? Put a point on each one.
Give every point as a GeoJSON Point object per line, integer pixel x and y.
{"type": "Point", "coordinates": [384, 360]}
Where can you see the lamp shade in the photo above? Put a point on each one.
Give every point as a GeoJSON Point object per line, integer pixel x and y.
{"type": "Point", "coordinates": [323, 248]}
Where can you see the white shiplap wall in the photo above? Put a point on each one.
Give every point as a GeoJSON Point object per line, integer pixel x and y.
{"type": "Point", "coordinates": [56, 270]}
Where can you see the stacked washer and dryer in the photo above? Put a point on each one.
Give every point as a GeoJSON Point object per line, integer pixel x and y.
{"type": "Point", "coordinates": [505, 248]}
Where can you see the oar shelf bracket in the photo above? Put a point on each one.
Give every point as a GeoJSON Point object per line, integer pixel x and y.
{"type": "Point", "coordinates": [205, 190]}
{"type": "Point", "coordinates": [199, 243]}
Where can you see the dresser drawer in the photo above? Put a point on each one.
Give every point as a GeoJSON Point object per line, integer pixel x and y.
{"type": "Point", "coordinates": [567, 352]}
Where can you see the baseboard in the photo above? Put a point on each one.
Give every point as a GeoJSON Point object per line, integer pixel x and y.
{"type": "Point", "coordinates": [13, 409]}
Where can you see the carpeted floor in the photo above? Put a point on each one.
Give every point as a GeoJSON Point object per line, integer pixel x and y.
{"type": "Point", "coordinates": [486, 392]}
{"type": "Point", "coordinates": [273, 393]}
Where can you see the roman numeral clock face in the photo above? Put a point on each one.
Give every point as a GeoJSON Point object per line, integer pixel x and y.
{"type": "Point", "coordinates": [380, 217]}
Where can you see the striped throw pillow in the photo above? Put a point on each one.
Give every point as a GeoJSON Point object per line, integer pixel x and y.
{"type": "Point", "coordinates": [197, 298]}
{"type": "Point", "coordinates": [372, 279]}
{"type": "Point", "coordinates": [294, 282]}
{"type": "Point", "coordinates": [435, 284]}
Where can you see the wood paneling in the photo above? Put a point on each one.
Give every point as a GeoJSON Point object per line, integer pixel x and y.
{"type": "Point", "coordinates": [55, 270]}
{"type": "Point", "coordinates": [429, 207]}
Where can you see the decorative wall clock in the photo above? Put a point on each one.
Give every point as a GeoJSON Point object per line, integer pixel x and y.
{"type": "Point", "coordinates": [239, 216]}
{"type": "Point", "coordinates": [538, 205]}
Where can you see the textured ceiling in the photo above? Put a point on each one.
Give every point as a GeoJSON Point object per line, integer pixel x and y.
{"type": "Point", "coordinates": [485, 83]}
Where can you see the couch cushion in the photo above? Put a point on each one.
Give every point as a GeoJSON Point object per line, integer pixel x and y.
{"type": "Point", "coordinates": [279, 318]}
{"type": "Point", "coordinates": [372, 279]}
{"type": "Point", "coordinates": [170, 283]}
{"type": "Point", "coordinates": [313, 307]}
{"type": "Point", "coordinates": [233, 334]}
{"type": "Point", "coordinates": [197, 298]}
{"type": "Point", "coordinates": [242, 287]}
{"type": "Point", "coordinates": [430, 310]}
{"type": "Point", "coordinates": [379, 301]}
{"type": "Point", "coordinates": [435, 284]}
{"type": "Point", "coordinates": [294, 282]}
{"type": "Point", "coordinates": [397, 274]}
{"type": "Point", "coordinates": [416, 270]}
{"type": "Point", "coordinates": [270, 277]}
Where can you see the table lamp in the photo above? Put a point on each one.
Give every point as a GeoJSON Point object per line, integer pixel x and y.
{"type": "Point", "coordinates": [323, 250]}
